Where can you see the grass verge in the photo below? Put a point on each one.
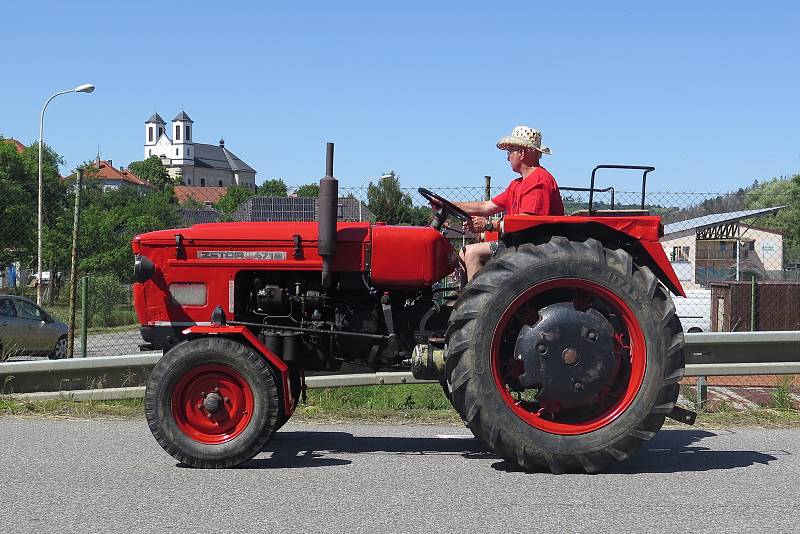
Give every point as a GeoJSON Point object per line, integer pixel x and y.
{"type": "Point", "coordinates": [70, 409]}
{"type": "Point", "coordinates": [403, 404]}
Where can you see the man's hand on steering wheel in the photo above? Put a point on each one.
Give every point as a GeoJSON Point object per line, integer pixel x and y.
{"type": "Point", "coordinates": [443, 208]}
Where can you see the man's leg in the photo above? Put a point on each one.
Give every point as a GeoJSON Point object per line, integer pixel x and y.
{"type": "Point", "coordinates": [475, 256]}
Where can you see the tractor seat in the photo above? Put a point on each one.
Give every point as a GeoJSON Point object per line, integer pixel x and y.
{"type": "Point", "coordinates": [612, 213]}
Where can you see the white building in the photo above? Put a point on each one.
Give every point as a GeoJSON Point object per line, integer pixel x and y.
{"type": "Point", "coordinates": [724, 246]}
{"type": "Point", "coordinates": [197, 164]}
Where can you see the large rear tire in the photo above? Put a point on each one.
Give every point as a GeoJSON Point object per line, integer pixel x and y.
{"type": "Point", "coordinates": [524, 402]}
{"type": "Point", "coordinates": [212, 402]}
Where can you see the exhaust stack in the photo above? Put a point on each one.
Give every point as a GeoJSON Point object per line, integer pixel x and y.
{"type": "Point", "coordinates": [328, 203]}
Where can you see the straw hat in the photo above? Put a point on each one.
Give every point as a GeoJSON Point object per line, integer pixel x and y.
{"type": "Point", "coordinates": [525, 137]}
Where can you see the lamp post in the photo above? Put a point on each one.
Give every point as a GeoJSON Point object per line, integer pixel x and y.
{"type": "Point", "coordinates": [85, 88]}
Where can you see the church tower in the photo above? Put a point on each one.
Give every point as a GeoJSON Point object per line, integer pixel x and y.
{"type": "Point", "coordinates": [153, 129]}
{"type": "Point", "coordinates": [182, 146]}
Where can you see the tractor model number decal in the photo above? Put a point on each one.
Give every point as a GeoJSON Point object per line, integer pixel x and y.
{"type": "Point", "coordinates": [240, 255]}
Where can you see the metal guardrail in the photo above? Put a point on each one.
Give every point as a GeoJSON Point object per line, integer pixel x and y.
{"type": "Point", "coordinates": [742, 353]}
{"type": "Point", "coordinates": [77, 373]}
{"type": "Point", "coordinates": [312, 382]}
{"type": "Point", "coordinates": [707, 354]}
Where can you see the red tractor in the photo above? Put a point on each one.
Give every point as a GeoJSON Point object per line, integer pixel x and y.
{"type": "Point", "coordinates": [564, 352]}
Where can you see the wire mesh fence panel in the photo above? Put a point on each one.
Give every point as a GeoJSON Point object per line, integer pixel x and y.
{"type": "Point", "coordinates": [737, 254]}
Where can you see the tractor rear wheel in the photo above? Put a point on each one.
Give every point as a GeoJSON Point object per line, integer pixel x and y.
{"type": "Point", "coordinates": [564, 355]}
{"type": "Point", "coordinates": [212, 402]}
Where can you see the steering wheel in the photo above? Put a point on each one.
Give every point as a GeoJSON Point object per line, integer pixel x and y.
{"type": "Point", "coordinates": [448, 207]}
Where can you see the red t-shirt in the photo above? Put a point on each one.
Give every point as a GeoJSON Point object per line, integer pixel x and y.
{"type": "Point", "coordinates": [536, 194]}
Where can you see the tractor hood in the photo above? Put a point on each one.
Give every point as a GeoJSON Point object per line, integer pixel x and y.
{"type": "Point", "coordinates": [392, 256]}
{"type": "Point", "coordinates": [238, 232]}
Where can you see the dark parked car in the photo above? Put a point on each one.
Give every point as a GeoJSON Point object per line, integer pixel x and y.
{"type": "Point", "coordinates": [26, 329]}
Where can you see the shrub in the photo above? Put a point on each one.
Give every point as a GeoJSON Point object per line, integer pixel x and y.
{"type": "Point", "coordinates": [782, 394]}
{"type": "Point", "coordinates": [107, 298]}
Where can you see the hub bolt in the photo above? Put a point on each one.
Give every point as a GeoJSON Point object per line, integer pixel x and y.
{"type": "Point", "coordinates": [592, 336]}
{"type": "Point", "coordinates": [570, 356]}
{"type": "Point", "coordinates": [541, 348]}
{"type": "Point", "coordinates": [577, 386]}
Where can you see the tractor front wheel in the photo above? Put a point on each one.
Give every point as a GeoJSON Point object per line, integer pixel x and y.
{"type": "Point", "coordinates": [564, 355]}
{"type": "Point", "coordinates": [212, 402]}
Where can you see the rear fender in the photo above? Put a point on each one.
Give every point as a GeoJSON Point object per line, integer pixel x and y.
{"type": "Point", "coordinates": [249, 339]}
{"type": "Point", "coordinates": [639, 243]}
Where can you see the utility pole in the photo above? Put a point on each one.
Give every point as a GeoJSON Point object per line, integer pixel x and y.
{"type": "Point", "coordinates": [73, 273]}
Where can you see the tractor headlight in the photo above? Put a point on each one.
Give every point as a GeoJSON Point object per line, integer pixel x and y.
{"type": "Point", "coordinates": [189, 294]}
{"type": "Point", "coordinates": [143, 269]}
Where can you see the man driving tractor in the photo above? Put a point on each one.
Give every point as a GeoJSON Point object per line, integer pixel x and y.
{"type": "Point", "coordinates": [535, 192]}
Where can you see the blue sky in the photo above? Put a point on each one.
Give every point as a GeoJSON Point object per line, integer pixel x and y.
{"type": "Point", "coordinates": [705, 91]}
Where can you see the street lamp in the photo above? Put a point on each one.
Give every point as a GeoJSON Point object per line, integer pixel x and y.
{"type": "Point", "coordinates": [85, 88]}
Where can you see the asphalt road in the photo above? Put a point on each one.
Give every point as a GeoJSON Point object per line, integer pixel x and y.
{"type": "Point", "coordinates": [89, 476]}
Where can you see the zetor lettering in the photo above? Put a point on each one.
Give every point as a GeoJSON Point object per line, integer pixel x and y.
{"type": "Point", "coordinates": [563, 353]}
{"type": "Point", "coordinates": [240, 255]}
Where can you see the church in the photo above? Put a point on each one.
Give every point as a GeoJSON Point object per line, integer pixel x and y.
{"type": "Point", "coordinates": [197, 164]}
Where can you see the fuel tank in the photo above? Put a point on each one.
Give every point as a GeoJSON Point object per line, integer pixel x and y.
{"type": "Point", "coordinates": [409, 256]}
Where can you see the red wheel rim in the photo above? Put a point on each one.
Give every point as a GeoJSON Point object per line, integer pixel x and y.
{"type": "Point", "coordinates": [233, 414]}
{"type": "Point", "coordinates": [628, 333]}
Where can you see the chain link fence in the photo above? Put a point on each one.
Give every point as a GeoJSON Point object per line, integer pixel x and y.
{"type": "Point", "coordinates": [736, 254]}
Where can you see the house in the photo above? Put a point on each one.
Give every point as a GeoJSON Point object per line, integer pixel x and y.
{"type": "Point", "coordinates": [202, 195]}
{"type": "Point", "coordinates": [113, 178]}
{"type": "Point", "coordinates": [192, 216]}
{"type": "Point", "coordinates": [197, 164]}
{"type": "Point", "coordinates": [724, 246]}
{"type": "Point", "coordinates": [19, 146]}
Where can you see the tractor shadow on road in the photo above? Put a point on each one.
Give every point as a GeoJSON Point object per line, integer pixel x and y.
{"type": "Point", "coordinates": [670, 451]}
{"type": "Point", "coordinates": [315, 449]}
{"type": "Point", "coordinates": [676, 451]}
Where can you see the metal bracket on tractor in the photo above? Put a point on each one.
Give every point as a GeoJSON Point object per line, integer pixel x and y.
{"type": "Point", "coordinates": [682, 415]}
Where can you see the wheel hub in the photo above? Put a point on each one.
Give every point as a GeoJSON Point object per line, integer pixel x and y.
{"type": "Point", "coordinates": [568, 355]}
{"type": "Point", "coordinates": [212, 403]}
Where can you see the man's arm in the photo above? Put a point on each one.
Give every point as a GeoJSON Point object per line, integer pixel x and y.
{"type": "Point", "coordinates": [483, 208]}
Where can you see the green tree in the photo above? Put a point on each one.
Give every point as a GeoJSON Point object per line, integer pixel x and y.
{"type": "Point", "coordinates": [111, 219]}
{"type": "Point", "coordinates": [232, 198]}
{"type": "Point", "coordinates": [16, 199]}
{"type": "Point", "coordinates": [780, 192]}
{"type": "Point", "coordinates": [19, 177]}
{"type": "Point", "coordinates": [273, 188]}
{"type": "Point", "coordinates": [152, 170]}
{"type": "Point", "coordinates": [392, 205]}
{"type": "Point", "coordinates": [308, 190]}
{"type": "Point", "coordinates": [192, 203]}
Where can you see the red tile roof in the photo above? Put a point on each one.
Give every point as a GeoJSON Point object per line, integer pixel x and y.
{"type": "Point", "coordinates": [199, 193]}
{"type": "Point", "coordinates": [19, 146]}
{"type": "Point", "coordinates": [107, 172]}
